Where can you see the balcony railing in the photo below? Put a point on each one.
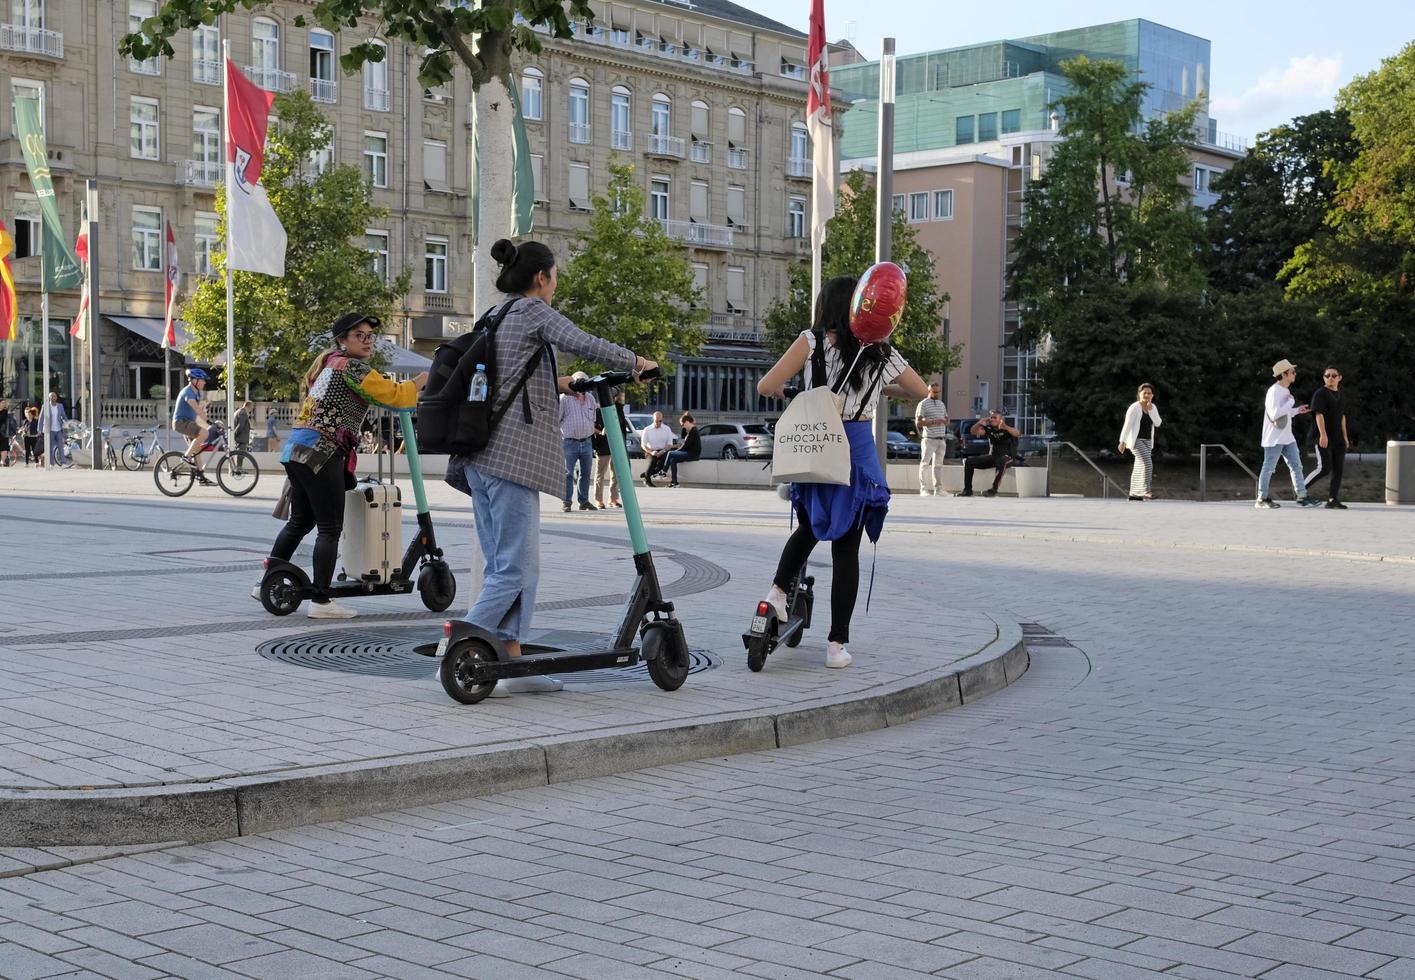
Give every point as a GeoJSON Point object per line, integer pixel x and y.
{"type": "Point", "coordinates": [736, 158]}
{"type": "Point", "coordinates": [701, 152]}
{"type": "Point", "coordinates": [270, 79]}
{"type": "Point", "coordinates": [621, 139]}
{"type": "Point", "coordinates": [697, 233]}
{"type": "Point", "coordinates": [664, 48]}
{"type": "Point", "coordinates": [23, 39]}
{"type": "Point", "coordinates": [376, 99]}
{"type": "Point", "coordinates": [324, 90]}
{"type": "Point", "coordinates": [206, 72]}
{"type": "Point", "coordinates": [152, 66]}
{"type": "Point", "coordinates": [200, 173]}
{"type": "Point", "coordinates": [579, 132]}
{"type": "Point", "coordinates": [797, 167]}
{"type": "Point", "coordinates": [731, 326]}
{"type": "Point", "coordinates": [666, 146]}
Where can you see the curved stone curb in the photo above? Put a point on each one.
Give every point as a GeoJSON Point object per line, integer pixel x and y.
{"type": "Point", "coordinates": [258, 804]}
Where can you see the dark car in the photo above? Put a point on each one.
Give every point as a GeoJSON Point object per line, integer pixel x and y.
{"type": "Point", "coordinates": [901, 447]}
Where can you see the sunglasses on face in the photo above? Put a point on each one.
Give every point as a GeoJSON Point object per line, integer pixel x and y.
{"type": "Point", "coordinates": [1331, 375]}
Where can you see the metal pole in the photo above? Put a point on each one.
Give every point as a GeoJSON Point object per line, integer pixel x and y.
{"type": "Point", "coordinates": [884, 211]}
{"type": "Point", "coordinates": [230, 379]}
{"type": "Point", "coordinates": [1203, 473]}
{"type": "Point", "coordinates": [95, 352]}
{"type": "Point", "coordinates": [44, 383]}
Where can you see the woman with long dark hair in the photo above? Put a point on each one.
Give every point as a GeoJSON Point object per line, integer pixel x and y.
{"type": "Point", "coordinates": [319, 455]}
{"type": "Point", "coordinates": [828, 512]}
{"type": "Point", "coordinates": [1137, 435]}
{"type": "Point", "coordinates": [524, 457]}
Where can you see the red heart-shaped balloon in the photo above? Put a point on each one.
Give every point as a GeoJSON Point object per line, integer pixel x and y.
{"type": "Point", "coordinates": [878, 303]}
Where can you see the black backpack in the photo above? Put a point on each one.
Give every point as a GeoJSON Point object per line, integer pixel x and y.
{"type": "Point", "coordinates": [446, 421]}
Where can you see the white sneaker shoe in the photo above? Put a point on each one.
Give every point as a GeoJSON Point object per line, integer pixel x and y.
{"type": "Point", "coordinates": [255, 593]}
{"type": "Point", "coordinates": [330, 610]}
{"type": "Point", "coordinates": [777, 599]}
{"type": "Point", "coordinates": [535, 684]}
{"type": "Point", "coordinates": [836, 655]}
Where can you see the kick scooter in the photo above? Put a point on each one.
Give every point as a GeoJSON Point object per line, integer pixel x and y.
{"type": "Point", "coordinates": [473, 660]}
{"type": "Point", "coordinates": [284, 585]}
{"type": "Point", "coordinates": [768, 632]}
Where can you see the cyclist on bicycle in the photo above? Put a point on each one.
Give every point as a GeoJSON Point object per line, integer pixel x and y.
{"type": "Point", "coordinates": [189, 418]}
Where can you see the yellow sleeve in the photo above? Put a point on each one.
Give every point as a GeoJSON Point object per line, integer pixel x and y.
{"type": "Point", "coordinates": [375, 388]}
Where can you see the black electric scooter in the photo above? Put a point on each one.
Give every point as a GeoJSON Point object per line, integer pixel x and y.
{"type": "Point", "coordinates": [473, 660]}
{"type": "Point", "coordinates": [768, 632]}
{"type": "Point", "coordinates": [285, 585]}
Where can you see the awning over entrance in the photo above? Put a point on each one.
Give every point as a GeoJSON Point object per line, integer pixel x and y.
{"type": "Point", "coordinates": [150, 328]}
{"type": "Point", "coordinates": [403, 361]}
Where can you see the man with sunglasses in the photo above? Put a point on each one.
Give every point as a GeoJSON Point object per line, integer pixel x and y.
{"type": "Point", "coordinates": [1002, 451]}
{"type": "Point", "coordinates": [1329, 409]}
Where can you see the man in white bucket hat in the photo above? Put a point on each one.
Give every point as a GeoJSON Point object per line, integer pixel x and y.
{"type": "Point", "coordinates": [1279, 409]}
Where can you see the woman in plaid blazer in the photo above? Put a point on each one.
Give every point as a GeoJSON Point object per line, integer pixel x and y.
{"type": "Point", "coordinates": [524, 457]}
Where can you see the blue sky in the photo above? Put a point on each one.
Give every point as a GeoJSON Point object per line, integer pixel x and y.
{"type": "Point", "coordinates": [1270, 60]}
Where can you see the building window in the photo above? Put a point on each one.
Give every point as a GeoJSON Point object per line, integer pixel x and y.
{"type": "Point", "coordinates": [963, 130]}
{"type": "Point", "coordinates": [796, 218]}
{"type": "Point", "coordinates": [206, 56]}
{"type": "Point", "coordinates": [1012, 120]}
{"type": "Point", "coordinates": [987, 127]}
{"type": "Point", "coordinates": [579, 189]}
{"type": "Point", "coordinates": [736, 290]}
{"type": "Point", "coordinates": [736, 127]}
{"type": "Point", "coordinates": [919, 206]}
{"type": "Point", "coordinates": [660, 115]}
{"type": "Point", "coordinates": [579, 111]}
{"type": "Point", "coordinates": [206, 136]}
{"type": "Point", "coordinates": [658, 198]}
{"type": "Point", "coordinates": [143, 128]}
{"type": "Point", "coordinates": [701, 132]}
{"type": "Point", "coordinates": [800, 143]}
{"type": "Point", "coordinates": [435, 265]}
{"type": "Point", "coordinates": [532, 82]}
{"type": "Point", "coordinates": [376, 244]}
{"type": "Point", "coordinates": [538, 176]}
{"type": "Point", "coordinates": [897, 202]}
{"type": "Point", "coordinates": [23, 88]}
{"type": "Point", "coordinates": [943, 205]}
{"type": "Point", "coordinates": [138, 11]}
{"type": "Point", "coordinates": [323, 87]}
{"type": "Point", "coordinates": [265, 44]}
{"type": "Point", "coordinates": [435, 165]}
{"type": "Point", "coordinates": [147, 239]}
{"type": "Point", "coordinates": [700, 283]}
{"type": "Point", "coordinates": [736, 206]}
{"type": "Point", "coordinates": [376, 158]}
{"type": "Point", "coordinates": [376, 81]}
{"type": "Point", "coordinates": [322, 160]}
{"type": "Point", "coordinates": [26, 226]}
{"type": "Point", "coordinates": [621, 136]}
{"type": "Point", "coordinates": [27, 13]}
{"type": "Point", "coordinates": [205, 242]}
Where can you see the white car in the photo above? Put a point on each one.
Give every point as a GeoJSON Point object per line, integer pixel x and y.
{"type": "Point", "coordinates": [637, 421]}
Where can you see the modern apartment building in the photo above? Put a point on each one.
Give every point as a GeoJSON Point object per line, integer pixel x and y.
{"type": "Point", "coordinates": [706, 99]}
{"type": "Point", "coordinates": [973, 126]}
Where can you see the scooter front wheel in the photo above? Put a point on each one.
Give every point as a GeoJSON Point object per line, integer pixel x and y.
{"type": "Point", "coordinates": [800, 609]}
{"type": "Point", "coordinates": [456, 671]}
{"type": "Point", "coordinates": [666, 656]}
{"type": "Point", "coordinates": [436, 586]}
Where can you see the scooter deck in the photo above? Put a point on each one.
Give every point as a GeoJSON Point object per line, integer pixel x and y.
{"type": "Point", "coordinates": [558, 662]}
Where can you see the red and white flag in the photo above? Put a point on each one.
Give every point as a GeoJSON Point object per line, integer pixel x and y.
{"type": "Point", "coordinates": [820, 125]}
{"type": "Point", "coordinates": [169, 328]}
{"type": "Point", "coordinates": [255, 239]}
{"type": "Point", "coordinates": [79, 328]}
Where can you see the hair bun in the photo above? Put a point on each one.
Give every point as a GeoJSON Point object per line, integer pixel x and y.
{"type": "Point", "coordinates": [503, 251]}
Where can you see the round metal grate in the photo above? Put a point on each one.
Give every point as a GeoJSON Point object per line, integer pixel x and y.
{"type": "Point", "coordinates": [392, 652]}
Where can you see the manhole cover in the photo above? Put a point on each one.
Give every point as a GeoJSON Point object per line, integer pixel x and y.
{"type": "Point", "coordinates": [392, 652]}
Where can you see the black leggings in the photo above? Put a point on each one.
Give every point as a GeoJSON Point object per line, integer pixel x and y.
{"type": "Point", "coordinates": [316, 499]}
{"type": "Point", "coordinates": [844, 575]}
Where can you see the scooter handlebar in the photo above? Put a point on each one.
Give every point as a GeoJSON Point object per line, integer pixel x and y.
{"type": "Point", "coordinates": [613, 379]}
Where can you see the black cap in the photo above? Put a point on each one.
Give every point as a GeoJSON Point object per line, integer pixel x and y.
{"type": "Point", "coordinates": [349, 321]}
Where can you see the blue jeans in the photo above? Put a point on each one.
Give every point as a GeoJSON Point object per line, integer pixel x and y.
{"type": "Point", "coordinates": [578, 451]}
{"type": "Point", "coordinates": [674, 458]}
{"type": "Point", "coordinates": [508, 529]}
{"type": "Point", "coordinates": [1294, 469]}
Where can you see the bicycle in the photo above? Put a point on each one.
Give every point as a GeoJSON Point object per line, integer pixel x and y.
{"type": "Point", "coordinates": [236, 469]}
{"type": "Point", "coordinates": [140, 448]}
{"type": "Point", "coordinates": [78, 436]}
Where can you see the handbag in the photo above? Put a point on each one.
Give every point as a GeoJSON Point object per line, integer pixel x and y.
{"type": "Point", "coordinates": [810, 444]}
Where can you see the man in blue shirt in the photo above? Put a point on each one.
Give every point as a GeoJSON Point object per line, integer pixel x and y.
{"type": "Point", "coordinates": [189, 417]}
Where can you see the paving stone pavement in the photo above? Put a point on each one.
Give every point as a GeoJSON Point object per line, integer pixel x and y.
{"type": "Point", "coordinates": [1213, 780]}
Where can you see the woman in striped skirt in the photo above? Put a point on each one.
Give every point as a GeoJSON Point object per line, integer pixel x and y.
{"type": "Point", "coordinates": [1138, 436]}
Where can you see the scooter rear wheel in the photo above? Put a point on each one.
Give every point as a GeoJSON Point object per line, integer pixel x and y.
{"type": "Point", "coordinates": [280, 593]}
{"type": "Point", "coordinates": [437, 587]}
{"type": "Point", "coordinates": [665, 655]}
{"type": "Point", "coordinates": [456, 671]}
{"type": "Point", "coordinates": [756, 653]}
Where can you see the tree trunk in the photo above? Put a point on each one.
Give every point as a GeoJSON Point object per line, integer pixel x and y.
{"type": "Point", "coordinates": [496, 170]}
{"type": "Point", "coordinates": [1109, 219]}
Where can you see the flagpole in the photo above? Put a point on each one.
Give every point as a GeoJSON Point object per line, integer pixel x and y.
{"type": "Point", "coordinates": [884, 205]}
{"type": "Point", "coordinates": [95, 348]}
{"type": "Point", "coordinates": [44, 331]}
{"type": "Point", "coordinates": [230, 379]}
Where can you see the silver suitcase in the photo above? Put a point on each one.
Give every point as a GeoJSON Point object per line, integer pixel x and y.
{"type": "Point", "coordinates": [373, 531]}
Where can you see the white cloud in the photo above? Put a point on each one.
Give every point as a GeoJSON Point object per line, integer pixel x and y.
{"type": "Point", "coordinates": [1304, 85]}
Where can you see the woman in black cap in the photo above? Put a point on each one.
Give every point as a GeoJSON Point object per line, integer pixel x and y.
{"type": "Point", "coordinates": [319, 455]}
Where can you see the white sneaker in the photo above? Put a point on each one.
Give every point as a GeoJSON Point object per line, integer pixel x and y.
{"type": "Point", "coordinates": [330, 610]}
{"type": "Point", "coordinates": [255, 593]}
{"type": "Point", "coordinates": [836, 655]}
{"type": "Point", "coordinates": [777, 600]}
{"type": "Point", "coordinates": [535, 684]}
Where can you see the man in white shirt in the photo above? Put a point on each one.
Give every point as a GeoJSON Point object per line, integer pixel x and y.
{"type": "Point", "coordinates": [657, 440]}
{"type": "Point", "coordinates": [1279, 409]}
{"type": "Point", "coordinates": [931, 419]}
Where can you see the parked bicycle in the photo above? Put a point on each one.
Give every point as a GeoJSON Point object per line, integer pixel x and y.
{"type": "Point", "coordinates": [78, 436]}
{"type": "Point", "coordinates": [138, 449]}
{"type": "Point", "coordinates": [236, 469]}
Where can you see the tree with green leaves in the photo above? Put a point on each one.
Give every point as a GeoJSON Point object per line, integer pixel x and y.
{"type": "Point", "coordinates": [627, 281]}
{"type": "Point", "coordinates": [481, 37]}
{"type": "Point", "coordinates": [849, 250]}
{"type": "Point", "coordinates": [281, 321]}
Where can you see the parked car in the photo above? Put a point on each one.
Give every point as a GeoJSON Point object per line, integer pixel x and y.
{"type": "Point", "coordinates": [736, 440]}
{"type": "Point", "coordinates": [901, 447]}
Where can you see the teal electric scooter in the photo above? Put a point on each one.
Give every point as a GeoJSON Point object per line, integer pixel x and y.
{"type": "Point", "coordinates": [473, 660]}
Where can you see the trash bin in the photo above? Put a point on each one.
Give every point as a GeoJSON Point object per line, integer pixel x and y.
{"type": "Point", "coordinates": [1031, 481]}
{"type": "Point", "coordinates": [1400, 472]}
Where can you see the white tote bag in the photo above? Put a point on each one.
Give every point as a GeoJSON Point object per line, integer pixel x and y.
{"type": "Point", "coordinates": [810, 444]}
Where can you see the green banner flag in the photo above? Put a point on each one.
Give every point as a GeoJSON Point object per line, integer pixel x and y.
{"type": "Point", "coordinates": [61, 266]}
